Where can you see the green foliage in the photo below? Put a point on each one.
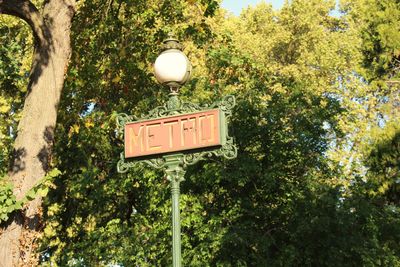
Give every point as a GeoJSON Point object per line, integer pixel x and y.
{"type": "Point", "coordinates": [10, 204]}
{"type": "Point", "coordinates": [15, 54]}
{"type": "Point", "coordinates": [7, 200]}
{"type": "Point", "coordinates": [316, 178]}
{"type": "Point", "coordinates": [379, 23]}
{"type": "Point", "coordinates": [383, 166]}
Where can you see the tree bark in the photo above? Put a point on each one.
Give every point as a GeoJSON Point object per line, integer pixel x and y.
{"type": "Point", "coordinates": [34, 141]}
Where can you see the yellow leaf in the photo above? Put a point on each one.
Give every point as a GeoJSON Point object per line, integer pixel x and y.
{"type": "Point", "coordinates": [116, 79]}
{"type": "Point", "coordinates": [70, 232]}
{"type": "Point", "coordinates": [49, 231]}
{"type": "Point", "coordinates": [74, 129]}
{"type": "Point", "coordinates": [4, 109]}
{"type": "Point", "coordinates": [89, 124]}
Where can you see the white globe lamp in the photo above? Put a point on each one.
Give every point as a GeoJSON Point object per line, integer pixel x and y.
{"type": "Point", "coordinates": [172, 67]}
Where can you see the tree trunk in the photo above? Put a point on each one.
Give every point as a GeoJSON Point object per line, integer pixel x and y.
{"type": "Point", "coordinates": [33, 144]}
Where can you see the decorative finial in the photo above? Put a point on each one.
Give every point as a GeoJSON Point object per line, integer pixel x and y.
{"type": "Point", "coordinates": [171, 43]}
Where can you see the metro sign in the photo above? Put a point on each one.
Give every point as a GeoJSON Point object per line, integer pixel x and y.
{"type": "Point", "coordinates": [174, 133]}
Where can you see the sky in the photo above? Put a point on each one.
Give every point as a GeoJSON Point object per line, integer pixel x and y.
{"type": "Point", "coordinates": [236, 6]}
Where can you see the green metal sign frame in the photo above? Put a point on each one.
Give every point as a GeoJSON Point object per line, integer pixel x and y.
{"type": "Point", "coordinates": [174, 164]}
{"type": "Point", "coordinates": [174, 106]}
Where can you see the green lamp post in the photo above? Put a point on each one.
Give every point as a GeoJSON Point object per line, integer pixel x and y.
{"type": "Point", "coordinates": [177, 134]}
{"type": "Point", "coordinates": [172, 68]}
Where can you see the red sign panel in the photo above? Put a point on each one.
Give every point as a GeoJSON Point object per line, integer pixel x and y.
{"type": "Point", "coordinates": [171, 134]}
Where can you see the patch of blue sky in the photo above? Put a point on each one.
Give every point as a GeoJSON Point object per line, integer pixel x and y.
{"type": "Point", "coordinates": [236, 6]}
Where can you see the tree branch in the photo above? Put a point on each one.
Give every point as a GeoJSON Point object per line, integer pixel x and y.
{"type": "Point", "coordinates": [27, 11]}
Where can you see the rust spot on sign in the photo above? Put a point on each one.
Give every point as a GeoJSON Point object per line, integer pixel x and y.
{"type": "Point", "coordinates": [171, 134]}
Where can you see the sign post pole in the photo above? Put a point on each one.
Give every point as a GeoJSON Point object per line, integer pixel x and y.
{"type": "Point", "coordinates": [175, 174]}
